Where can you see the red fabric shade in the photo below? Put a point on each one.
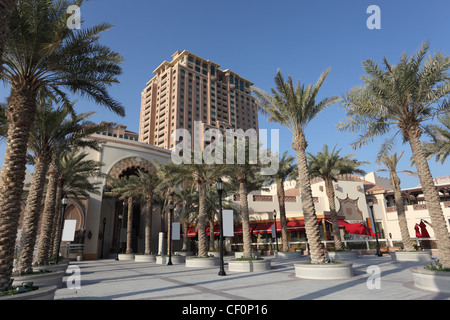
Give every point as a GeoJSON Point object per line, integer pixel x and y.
{"type": "Point", "coordinates": [357, 228]}
{"type": "Point", "coordinates": [423, 229]}
{"type": "Point", "coordinates": [418, 235]}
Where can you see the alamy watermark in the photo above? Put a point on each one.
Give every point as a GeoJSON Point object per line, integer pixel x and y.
{"type": "Point", "coordinates": [74, 21]}
{"type": "Point", "coordinates": [374, 21]}
{"type": "Point", "coordinates": [209, 147]}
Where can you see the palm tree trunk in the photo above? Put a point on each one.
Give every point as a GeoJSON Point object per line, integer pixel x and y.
{"type": "Point", "coordinates": [185, 238]}
{"type": "Point", "coordinates": [6, 9]}
{"type": "Point", "coordinates": [334, 220]}
{"type": "Point", "coordinates": [148, 226]}
{"type": "Point", "coordinates": [211, 234]}
{"type": "Point", "coordinates": [130, 226]}
{"type": "Point", "coordinates": [202, 246]}
{"type": "Point", "coordinates": [309, 212]}
{"type": "Point", "coordinates": [57, 219]}
{"type": "Point", "coordinates": [432, 198]}
{"type": "Point", "coordinates": [48, 216]}
{"type": "Point", "coordinates": [246, 235]}
{"type": "Point", "coordinates": [283, 221]}
{"type": "Point", "coordinates": [21, 114]}
{"type": "Point", "coordinates": [32, 215]}
{"type": "Point", "coordinates": [395, 182]}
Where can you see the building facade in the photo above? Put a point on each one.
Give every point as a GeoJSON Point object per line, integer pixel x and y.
{"type": "Point", "coordinates": [191, 89]}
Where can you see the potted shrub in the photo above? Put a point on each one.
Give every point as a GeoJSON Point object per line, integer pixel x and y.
{"type": "Point", "coordinates": [432, 277]}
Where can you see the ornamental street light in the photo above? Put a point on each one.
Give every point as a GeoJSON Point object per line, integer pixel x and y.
{"type": "Point", "coordinates": [64, 202]}
{"type": "Point", "coordinates": [219, 187]}
{"type": "Point", "coordinates": [370, 203]}
{"type": "Point", "coordinates": [119, 227]}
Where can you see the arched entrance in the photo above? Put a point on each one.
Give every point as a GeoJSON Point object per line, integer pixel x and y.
{"type": "Point", "coordinates": [123, 170]}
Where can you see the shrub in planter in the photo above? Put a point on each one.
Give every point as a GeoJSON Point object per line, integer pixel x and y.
{"type": "Point", "coordinates": [41, 278]}
{"type": "Point", "coordinates": [432, 277]}
{"type": "Point", "coordinates": [324, 271]}
{"type": "Point", "coordinates": [28, 291]}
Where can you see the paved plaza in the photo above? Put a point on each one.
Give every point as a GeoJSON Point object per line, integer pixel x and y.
{"type": "Point", "coordinates": [128, 280]}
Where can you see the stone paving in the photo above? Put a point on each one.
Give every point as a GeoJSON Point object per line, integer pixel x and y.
{"type": "Point", "coordinates": [128, 280]}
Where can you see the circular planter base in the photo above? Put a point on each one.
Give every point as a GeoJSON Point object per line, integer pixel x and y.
{"type": "Point", "coordinates": [54, 278]}
{"type": "Point", "coordinates": [241, 254]}
{"type": "Point", "coordinates": [185, 253]}
{"type": "Point", "coordinates": [411, 256]}
{"type": "Point", "coordinates": [326, 271]}
{"type": "Point", "coordinates": [250, 265]}
{"type": "Point", "coordinates": [126, 256]}
{"type": "Point", "coordinates": [195, 262]}
{"type": "Point", "coordinates": [43, 293]}
{"type": "Point", "coordinates": [62, 266]}
{"type": "Point", "coordinates": [175, 259]}
{"type": "Point", "coordinates": [437, 281]}
{"type": "Point", "coordinates": [341, 255]}
{"type": "Point", "coordinates": [288, 255]}
{"type": "Point", "coordinates": [145, 258]}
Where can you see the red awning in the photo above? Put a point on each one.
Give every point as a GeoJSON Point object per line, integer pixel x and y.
{"type": "Point", "coordinates": [357, 228]}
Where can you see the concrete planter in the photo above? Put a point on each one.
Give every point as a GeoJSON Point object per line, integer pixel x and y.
{"type": "Point", "coordinates": [126, 256]}
{"type": "Point", "coordinates": [438, 281]}
{"type": "Point", "coordinates": [250, 265]}
{"type": "Point", "coordinates": [288, 255]}
{"type": "Point", "coordinates": [340, 255]}
{"type": "Point", "coordinates": [175, 259]}
{"type": "Point", "coordinates": [185, 253]}
{"type": "Point", "coordinates": [195, 262]}
{"type": "Point", "coordinates": [411, 256]}
{"type": "Point", "coordinates": [54, 278]}
{"type": "Point", "coordinates": [43, 293]}
{"type": "Point", "coordinates": [62, 266]}
{"type": "Point", "coordinates": [326, 271]}
{"type": "Point", "coordinates": [241, 254]}
{"type": "Point", "coordinates": [145, 258]}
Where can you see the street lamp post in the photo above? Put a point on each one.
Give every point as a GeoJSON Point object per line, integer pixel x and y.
{"type": "Point", "coordinates": [219, 187]}
{"type": "Point", "coordinates": [63, 213]}
{"type": "Point", "coordinates": [370, 203]}
{"type": "Point", "coordinates": [275, 226]}
{"type": "Point", "coordinates": [169, 231]}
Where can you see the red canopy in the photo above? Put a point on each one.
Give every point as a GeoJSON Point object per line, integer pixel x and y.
{"type": "Point", "coordinates": [423, 229]}
{"type": "Point", "coordinates": [357, 228]}
{"type": "Point", "coordinates": [418, 235]}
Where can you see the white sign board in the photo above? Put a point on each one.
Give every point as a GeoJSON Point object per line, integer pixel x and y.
{"type": "Point", "coordinates": [176, 233]}
{"type": "Point", "coordinates": [69, 230]}
{"type": "Point", "coordinates": [228, 223]}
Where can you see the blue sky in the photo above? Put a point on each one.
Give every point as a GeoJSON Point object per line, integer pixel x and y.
{"type": "Point", "coordinates": [256, 37]}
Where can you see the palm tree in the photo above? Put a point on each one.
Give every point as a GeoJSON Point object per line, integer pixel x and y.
{"type": "Point", "coordinates": [391, 162]}
{"type": "Point", "coordinates": [49, 132]}
{"type": "Point", "coordinates": [287, 170]}
{"type": "Point", "coordinates": [202, 175]}
{"type": "Point", "coordinates": [328, 166]}
{"type": "Point", "coordinates": [143, 187]}
{"type": "Point", "coordinates": [403, 97]}
{"type": "Point", "coordinates": [6, 8]}
{"type": "Point", "coordinates": [295, 108]}
{"type": "Point", "coordinates": [120, 188]}
{"type": "Point", "coordinates": [43, 55]}
{"type": "Point", "coordinates": [72, 173]}
{"type": "Point", "coordinates": [186, 199]}
{"type": "Point", "coordinates": [440, 143]}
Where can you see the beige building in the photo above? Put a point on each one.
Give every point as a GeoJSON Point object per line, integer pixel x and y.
{"type": "Point", "coordinates": [191, 89]}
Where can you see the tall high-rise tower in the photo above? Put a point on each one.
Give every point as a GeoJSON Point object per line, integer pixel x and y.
{"type": "Point", "coordinates": [190, 89]}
